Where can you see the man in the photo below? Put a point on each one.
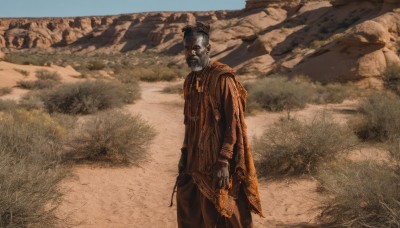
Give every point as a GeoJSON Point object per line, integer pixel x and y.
{"type": "Point", "coordinates": [217, 184]}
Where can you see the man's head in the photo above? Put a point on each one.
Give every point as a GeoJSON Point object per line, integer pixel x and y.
{"type": "Point", "coordinates": [196, 45]}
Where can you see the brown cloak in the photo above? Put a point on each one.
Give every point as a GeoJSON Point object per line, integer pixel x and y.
{"type": "Point", "coordinates": [216, 112]}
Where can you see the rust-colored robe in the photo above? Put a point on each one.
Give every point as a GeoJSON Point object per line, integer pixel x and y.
{"type": "Point", "coordinates": [214, 119]}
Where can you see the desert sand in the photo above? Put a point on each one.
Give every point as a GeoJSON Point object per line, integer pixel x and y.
{"type": "Point", "coordinates": [140, 196]}
{"type": "Point", "coordinates": [98, 196]}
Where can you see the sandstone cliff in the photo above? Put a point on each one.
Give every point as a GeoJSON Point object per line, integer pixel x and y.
{"type": "Point", "coordinates": [328, 40]}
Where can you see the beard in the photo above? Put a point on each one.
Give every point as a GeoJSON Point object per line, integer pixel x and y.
{"type": "Point", "coordinates": [196, 63]}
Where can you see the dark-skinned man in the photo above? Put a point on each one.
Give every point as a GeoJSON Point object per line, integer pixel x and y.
{"type": "Point", "coordinates": [217, 183]}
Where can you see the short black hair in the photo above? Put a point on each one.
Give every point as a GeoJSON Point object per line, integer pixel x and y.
{"type": "Point", "coordinates": [200, 28]}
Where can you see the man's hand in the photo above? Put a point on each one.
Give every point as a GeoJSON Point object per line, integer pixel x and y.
{"type": "Point", "coordinates": [182, 160]}
{"type": "Point", "coordinates": [221, 175]}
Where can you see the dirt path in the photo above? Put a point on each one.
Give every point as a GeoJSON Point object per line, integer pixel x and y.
{"type": "Point", "coordinates": [139, 196]}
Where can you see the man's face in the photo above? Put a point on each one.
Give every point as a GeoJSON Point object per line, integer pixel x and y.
{"type": "Point", "coordinates": [196, 52]}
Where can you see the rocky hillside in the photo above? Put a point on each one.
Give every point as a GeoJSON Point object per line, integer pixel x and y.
{"type": "Point", "coordinates": [337, 40]}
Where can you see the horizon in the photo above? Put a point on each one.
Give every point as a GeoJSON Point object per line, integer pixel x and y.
{"type": "Point", "coordinates": [54, 9]}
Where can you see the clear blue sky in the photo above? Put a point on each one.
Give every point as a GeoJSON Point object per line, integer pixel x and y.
{"type": "Point", "coordinates": [63, 8]}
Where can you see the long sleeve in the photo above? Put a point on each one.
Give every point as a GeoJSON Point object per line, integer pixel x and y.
{"type": "Point", "coordinates": [228, 101]}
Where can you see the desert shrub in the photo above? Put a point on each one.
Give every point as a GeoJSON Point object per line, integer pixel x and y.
{"type": "Point", "coordinates": [334, 93]}
{"type": "Point", "coordinates": [46, 80]}
{"type": "Point", "coordinates": [291, 147]}
{"type": "Point", "coordinates": [96, 65]}
{"type": "Point", "coordinates": [393, 147]}
{"type": "Point", "coordinates": [31, 144]}
{"type": "Point", "coordinates": [26, 58]}
{"type": "Point", "coordinates": [28, 193]}
{"type": "Point", "coordinates": [391, 78]}
{"type": "Point", "coordinates": [85, 97]}
{"type": "Point", "coordinates": [23, 72]}
{"type": "Point", "coordinates": [112, 136]}
{"type": "Point", "coordinates": [131, 84]}
{"type": "Point", "coordinates": [380, 117]}
{"type": "Point", "coordinates": [47, 75]}
{"type": "Point", "coordinates": [178, 88]}
{"type": "Point", "coordinates": [364, 194]}
{"type": "Point", "coordinates": [279, 93]}
{"type": "Point", "coordinates": [8, 105]}
{"type": "Point", "coordinates": [5, 90]}
{"type": "Point", "coordinates": [161, 73]}
{"type": "Point", "coordinates": [31, 100]}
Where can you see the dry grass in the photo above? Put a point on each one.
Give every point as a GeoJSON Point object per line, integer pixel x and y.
{"type": "Point", "coordinates": [87, 97]}
{"type": "Point", "coordinates": [8, 105]}
{"type": "Point", "coordinates": [5, 90]}
{"type": "Point", "coordinates": [391, 78]}
{"type": "Point", "coordinates": [23, 72]}
{"type": "Point", "coordinates": [380, 117]}
{"type": "Point", "coordinates": [364, 194]}
{"type": "Point", "coordinates": [113, 137]}
{"type": "Point", "coordinates": [278, 93]}
{"type": "Point", "coordinates": [178, 88]}
{"type": "Point", "coordinates": [45, 80]}
{"type": "Point", "coordinates": [292, 148]}
{"type": "Point", "coordinates": [30, 150]}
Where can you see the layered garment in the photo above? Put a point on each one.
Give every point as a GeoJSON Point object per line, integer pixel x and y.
{"type": "Point", "coordinates": [215, 127]}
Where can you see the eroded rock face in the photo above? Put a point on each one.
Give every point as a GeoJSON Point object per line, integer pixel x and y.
{"type": "Point", "coordinates": [344, 2]}
{"type": "Point", "coordinates": [353, 42]}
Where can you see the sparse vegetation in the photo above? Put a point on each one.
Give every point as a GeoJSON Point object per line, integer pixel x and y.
{"type": "Point", "coordinates": [365, 194]}
{"type": "Point", "coordinates": [23, 72]}
{"type": "Point", "coordinates": [45, 80]}
{"type": "Point", "coordinates": [7, 105]}
{"type": "Point", "coordinates": [178, 88]}
{"type": "Point", "coordinates": [380, 117]}
{"type": "Point", "coordinates": [278, 93]}
{"type": "Point", "coordinates": [114, 137]}
{"type": "Point", "coordinates": [87, 97]}
{"type": "Point", "coordinates": [5, 90]}
{"type": "Point", "coordinates": [30, 150]}
{"type": "Point", "coordinates": [391, 78]}
{"type": "Point", "coordinates": [96, 65]}
{"type": "Point", "coordinates": [292, 148]}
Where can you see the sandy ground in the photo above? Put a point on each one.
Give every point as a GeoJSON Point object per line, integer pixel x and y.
{"type": "Point", "coordinates": [139, 196]}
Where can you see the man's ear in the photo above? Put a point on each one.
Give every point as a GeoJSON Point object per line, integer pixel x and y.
{"type": "Point", "coordinates": [208, 47]}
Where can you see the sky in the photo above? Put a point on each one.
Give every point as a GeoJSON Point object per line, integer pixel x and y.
{"type": "Point", "coordinates": [64, 8]}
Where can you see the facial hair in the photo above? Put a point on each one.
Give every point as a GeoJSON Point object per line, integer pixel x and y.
{"type": "Point", "coordinates": [197, 64]}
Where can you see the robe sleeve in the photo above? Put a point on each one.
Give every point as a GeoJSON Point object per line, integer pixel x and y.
{"type": "Point", "coordinates": [229, 105]}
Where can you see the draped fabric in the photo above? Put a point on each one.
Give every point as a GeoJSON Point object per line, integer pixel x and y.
{"type": "Point", "coordinates": [215, 126]}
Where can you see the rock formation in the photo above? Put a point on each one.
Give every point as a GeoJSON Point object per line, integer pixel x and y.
{"type": "Point", "coordinates": [352, 41]}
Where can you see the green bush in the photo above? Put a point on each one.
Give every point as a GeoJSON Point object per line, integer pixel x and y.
{"type": "Point", "coordinates": [31, 145]}
{"type": "Point", "coordinates": [380, 117]}
{"type": "Point", "coordinates": [112, 136]}
{"type": "Point", "coordinates": [391, 78]}
{"type": "Point", "coordinates": [86, 97]}
{"type": "Point", "coordinates": [291, 147]}
{"type": "Point", "coordinates": [363, 194]}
